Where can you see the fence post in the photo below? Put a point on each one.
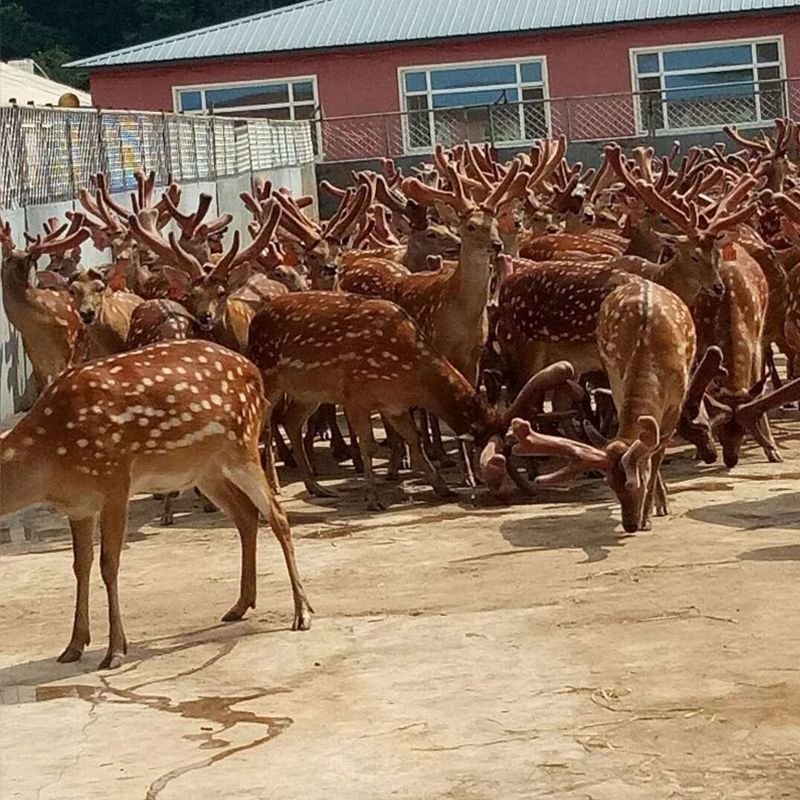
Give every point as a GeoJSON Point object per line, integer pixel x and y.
{"type": "Point", "coordinates": [491, 125]}
{"type": "Point", "coordinates": [387, 142]}
{"type": "Point", "coordinates": [167, 150]}
{"type": "Point", "coordinates": [70, 156]}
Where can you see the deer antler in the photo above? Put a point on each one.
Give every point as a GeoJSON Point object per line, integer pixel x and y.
{"type": "Point", "coordinates": [272, 218]}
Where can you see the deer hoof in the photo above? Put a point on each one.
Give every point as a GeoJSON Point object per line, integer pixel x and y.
{"type": "Point", "coordinates": [112, 661]}
{"type": "Point", "coordinates": [316, 490]}
{"type": "Point", "coordinates": [375, 504]}
{"type": "Point", "coordinates": [774, 457]}
{"type": "Point", "coordinates": [70, 655]}
{"type": "Point", "coordinates": [302, 619]}
{"type": "Point", "coordinates": [237, 611]}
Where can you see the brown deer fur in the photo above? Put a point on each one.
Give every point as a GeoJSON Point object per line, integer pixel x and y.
{"type": "Point", "coordinates": [126, 424]}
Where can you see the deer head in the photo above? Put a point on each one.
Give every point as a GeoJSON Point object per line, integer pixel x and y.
{"type": "Point", "coordinates": [701, 231]}
{"type": "Point", "coordinates": [627, 466]}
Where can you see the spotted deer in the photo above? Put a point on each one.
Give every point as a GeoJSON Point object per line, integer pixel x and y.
{"type": "Point", "coordinates": [735, 322]}
{"type": "Point", "coordinates": [548, 311]}
{"type": "Point", "coordinates": [105, 313]}
{"type": "Point", "coordinates": [46, 319]}
{"type": "Point", "coordinates": [367, 355]}
{"type": "Point", "coordinates": [115, 427]}
{"type": "Point", "coordinates": [317, 246]}
{"type": "Point", "coordinates": [646, 339]}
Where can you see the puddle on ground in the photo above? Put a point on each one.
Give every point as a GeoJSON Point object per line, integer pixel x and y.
{"type": "Point", "coordinates": [219, 714]}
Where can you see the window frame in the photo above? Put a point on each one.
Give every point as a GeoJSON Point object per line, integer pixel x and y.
{"type": "Point", "coordinates": [544, 84]}
{"type": "Point", "coordinates": [241, 111]}
{"type": "Point", "coordinates": [659, 50]}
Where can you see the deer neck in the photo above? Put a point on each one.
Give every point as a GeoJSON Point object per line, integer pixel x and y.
{"type": "Point", "coordinates": [16, 283]}
{"type": "Point", "coordinates": [677, 275]}
{"type": "Point", "coordinates": [469, 281]}
{"type": "Point", "coordinates": [643, 242]}
{"type": "Point", "coordinates": [447, 394]}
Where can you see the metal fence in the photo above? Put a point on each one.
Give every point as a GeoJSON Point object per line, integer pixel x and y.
{"type": "Point", "coordinates": [47, 154]}
{"type": "Point", "coordinates": [580, 119]}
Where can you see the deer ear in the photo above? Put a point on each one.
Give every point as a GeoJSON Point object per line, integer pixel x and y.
{"type": "Point", "coordinates": [179, 281]}
{"type": "Point", "coordinates": [649, 433]}
{"type": "Point", "coordinates": [51, 280]}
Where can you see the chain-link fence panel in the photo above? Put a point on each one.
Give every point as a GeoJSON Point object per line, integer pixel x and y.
{"type": "Point", "coordinates": [12, 163]}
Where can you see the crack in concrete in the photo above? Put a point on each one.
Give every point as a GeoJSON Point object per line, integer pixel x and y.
{"type": "Point", "coordinates": [211, 709]}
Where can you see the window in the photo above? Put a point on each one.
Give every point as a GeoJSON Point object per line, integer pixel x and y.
{"type": "Point", "coordinates": [286, 99]}
{"type": "Point", "coordinates": [500, 102]}
{"type": "Point", "coordinates": [698, 86]}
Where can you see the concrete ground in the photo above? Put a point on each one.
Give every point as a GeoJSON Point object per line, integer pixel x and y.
{"type": "Point", "coordinates": [459, 651]}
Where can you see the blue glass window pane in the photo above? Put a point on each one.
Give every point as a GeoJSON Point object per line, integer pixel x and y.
{"type": "Point", "coordinates": [647, 63]}
{"type": "Point", "coordinates": [466, 77]}
{"type": "Point", "coordinates": [701, 58]}
{"type": "Point", "coordinates": [478, 98]}
{"type": "Point", "coordinates": [415, 82]}
{"type": "Point", "coordinates": [190, 101]}
{"type": "Point", "coordinates": [735, 83]}
{"type": "Point", "coordinates": [248, 95]}
{"type": "Point", "coordinates": [531, 73]}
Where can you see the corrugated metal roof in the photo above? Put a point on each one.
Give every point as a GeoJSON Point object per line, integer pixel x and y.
{"type": "Point", "coordinates": [338, 23]}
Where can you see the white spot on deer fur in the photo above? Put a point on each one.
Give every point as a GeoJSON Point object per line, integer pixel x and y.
{"type": "Point", "coordinates": [82, 443]}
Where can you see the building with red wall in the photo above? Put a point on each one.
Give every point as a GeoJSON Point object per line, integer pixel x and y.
{"type": "Point", "coordinates": [435, 70]}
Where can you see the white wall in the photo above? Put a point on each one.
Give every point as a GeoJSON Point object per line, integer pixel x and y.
{"type": "Point", "coordinates": [15, 385]}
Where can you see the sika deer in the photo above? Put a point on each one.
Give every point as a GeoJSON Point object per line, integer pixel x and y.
{"type": "Point", "coordinates": [368, 355]}
{"type": "Point", "coordinates": [646, 339]}
{"type": "Point", "coordinates": [46, 319]}
{"type": "Point", "coordinates": [105, 313]}
{"type": "Point", "coordinates": [735, 322]}
{"type": "Point", "coordinates": [127, 424]}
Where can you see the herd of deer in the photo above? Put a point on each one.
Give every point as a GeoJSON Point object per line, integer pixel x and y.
{"type": "Point", "coordinates": [619, 307]}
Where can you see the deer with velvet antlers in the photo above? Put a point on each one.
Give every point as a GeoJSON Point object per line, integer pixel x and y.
{"type": "Point", "coordinates": [646, 340]}
{"type": "Point", "coordinates": [368, 355]}
{"type": "Point", "coordinates": [46, 319]}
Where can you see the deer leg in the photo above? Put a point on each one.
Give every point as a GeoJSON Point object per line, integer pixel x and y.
{"type": "Point", "coordinates": [269, 430]}
{"type": "Point", "coordinates": [340, 450]}
{"type": "Point", "coordinates": [293, 419]}
{"type": "Point", "coordinates": [283, 451]}
{"type": "Point", "coordinates": [397, 451]}
{"type": "Point", "coordinates": [656, 493]}
{"type": "Point", "coordinates": [438, 453]}
{"type": "Point", "coordinates": [404, 425]}
{"type": "Point", "coordinates": [361, 424]}
{"type": "Point", "coordinates": [769, 364]}
{"type": "Point", "coordinates": [238, 506]}
{"type": "Point", "coordinates": [762, 433]}
{"type": "Point", "coordinates": [168, 509]}
{"type": "Point", "coordinates": [113, 519]}
{"type": "Point", "coordinates": [82, 556]}
{"type": "Point", "coordinates": [251, 481]}
{"type": "Point", "coordinates": [355, 449]}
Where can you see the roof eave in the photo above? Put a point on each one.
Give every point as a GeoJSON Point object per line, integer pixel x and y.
{"type": "Point", "coordinates": [87, 62]}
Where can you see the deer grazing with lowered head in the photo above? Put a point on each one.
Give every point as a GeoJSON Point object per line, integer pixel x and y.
{"type": "Point", "coordinates": [46, 319]}
{"type": "Point", "coordinates": [646, 340]}
{"type": "Point", "coordinates": [368, 355]}
{"type": "Point", "coordinates": [109, 429]}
